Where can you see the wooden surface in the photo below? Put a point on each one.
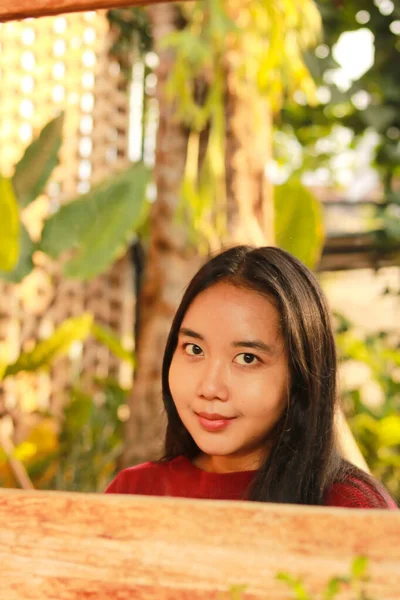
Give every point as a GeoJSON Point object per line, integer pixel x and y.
{"type": "Point", "coordinates": [21, 9]}
{"type": "Point", "coordinates": [63, 546]}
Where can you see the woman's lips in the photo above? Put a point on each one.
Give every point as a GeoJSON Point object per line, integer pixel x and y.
{"type": "Point", "coordinates": [213, 422]}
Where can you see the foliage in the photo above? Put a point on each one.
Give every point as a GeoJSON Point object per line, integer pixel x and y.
{"type": "Point", "coordinates": [81, 453]}
{"type": "Point", "coordinates": [380, 81]}
{"type": "Point", "coordinates": [376, 428]}
{"type": "Point", "coordinates": [9, 217]}
{"type": "Point", "coordinates": [38, 162]}
{"type": "Point", "coordinates": [268, 51]}
{"type": "Point", "coordinates": [108, 338]}
{"type": "Point", "coordinates": [35, 454]}
{"type": "Point", "coordinates": [217, 40]}
{"type": "Point", "coordinates": [24, 264]}
{"type": "Point", "coordinates": [370, 104]}
{"type": "Point", "coordinates": [90, 427]}
{"type": "Point", "coordinates": [90, 439]}
{"type": "Point", "coordinates": [298, 222]}
{"type": "Point", "coordinates": [133, 35]}
{"type": "Point", "coordinates": [71, 330]}
{"type": "Point", "coordinates": [354, 581]}
{"type": "Point", "coordinates": [213, 47]}
{"type": "Point", "coordinates": [46, 351]}
{"type": "Point", "coordinates": [28, 182]}
{"type": "Point", "coordinates": [49, 455]}
{"type": "Point", "coordinates": [97, 226]}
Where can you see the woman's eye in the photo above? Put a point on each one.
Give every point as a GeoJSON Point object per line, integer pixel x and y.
{"type": "Point", "coordinates": [192, 349]}
{"type": "Point", "coordinates": [247, 359]}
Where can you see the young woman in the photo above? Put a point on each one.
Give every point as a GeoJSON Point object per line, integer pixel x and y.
{"type": "Point", "coordinates": [249, 388]}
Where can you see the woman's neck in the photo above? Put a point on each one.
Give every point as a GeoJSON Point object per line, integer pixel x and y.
{"type": "Point", "coordinates": [226, 464]}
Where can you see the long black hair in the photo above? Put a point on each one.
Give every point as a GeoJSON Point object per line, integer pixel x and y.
{"type": "Point", "coordinates": [304, 460]}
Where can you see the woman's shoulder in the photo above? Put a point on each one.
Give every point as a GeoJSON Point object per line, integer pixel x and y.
{"type": "Point", "coordinates": [357, 492]}
{"type": "Point", "coordinates": [140, 478]}
{"type": "Point", "coordinates": [128, 478]}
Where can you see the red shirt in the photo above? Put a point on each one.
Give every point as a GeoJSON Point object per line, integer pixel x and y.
{"type": "Point", "coordinates": [180, 478]}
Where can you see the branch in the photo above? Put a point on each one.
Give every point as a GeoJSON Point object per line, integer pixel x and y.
{"type": "Point", "coordinates": [22, 9]}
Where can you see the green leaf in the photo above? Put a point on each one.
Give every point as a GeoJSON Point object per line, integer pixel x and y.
{"type": "Point", "coordinates": [40, 158]}
{"type": "Point", "coordinates": [63, 230]}
{"type": "Point", "coordinates": [236, 592]}
{"type": "Point", "coordinates": [43, 354]}
{"type": "Point", "coordinates": [334, 586]}
{"type": "Point", "coordinates": [359, 567]}
{"type": "Point", "coordinates": [298, 222]}
{"type": "Point", "coordinates": [98, 224]}
{"type": "Point", "coordinates": [9, 219]}
{"type": "Point", "coordinates": [295, 585]}
{"type": "Point", "coordinates": [25, 263]}
{"type": "Point", "coordinates": [108, 338]}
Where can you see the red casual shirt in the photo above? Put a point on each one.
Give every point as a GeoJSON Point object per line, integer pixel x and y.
{"type": "Point", "coordinates": [180, 478]}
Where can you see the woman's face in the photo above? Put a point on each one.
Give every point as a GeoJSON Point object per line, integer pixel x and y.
{"type": "Point", "coordinates": [229, 376]}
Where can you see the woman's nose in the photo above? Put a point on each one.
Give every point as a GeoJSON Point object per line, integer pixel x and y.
{"type": "Point", "coordinates": [213, 383]}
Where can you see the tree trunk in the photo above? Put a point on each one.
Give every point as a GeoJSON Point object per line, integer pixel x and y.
{"type": "Point", "coordinates": [250, 217]}
{"type": "Point", "coordinates": [170, 264]}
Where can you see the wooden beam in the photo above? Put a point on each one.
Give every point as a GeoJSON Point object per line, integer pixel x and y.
{"type": "Point", "coordinates": [22, 9]}
{"type": "Point", "coordinates": [72, 546]}
{"type": "Point", "coordinates": [358, 251]}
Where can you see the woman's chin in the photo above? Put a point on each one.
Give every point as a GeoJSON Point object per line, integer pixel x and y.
{"type": "Point", "coordinates": [215, 447]}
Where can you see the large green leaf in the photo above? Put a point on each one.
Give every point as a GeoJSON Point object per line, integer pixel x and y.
{"type": "Point", "coordinates": [298, 222]}
{"type": "Point", "coordinates": [71, 330]}
{"type": "Point", "coordinates": [99, 224]}
{"type": "Point", "coordinates": [40, 158]}
{"type": "Point", "coordinates": [25, 264]}
{"type": "Point", "coordinates": [63, 230]}
{"type": "Point", "coordinates": [9, 219]}
{"type": "Point", "coordinates": [108, 338]}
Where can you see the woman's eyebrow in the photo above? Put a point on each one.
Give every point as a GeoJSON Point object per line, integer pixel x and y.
{"type": "Point", "coordinates": [190, 333]}
{"type": "Point", "coordinates": [255, 344]}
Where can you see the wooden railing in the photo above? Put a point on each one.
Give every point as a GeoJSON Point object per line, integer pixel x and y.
{"type": "Point", "coordinates": [66, 546]}
{"type": "Point", "coordinates": [21, 9]}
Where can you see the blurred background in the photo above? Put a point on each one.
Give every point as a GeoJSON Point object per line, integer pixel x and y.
{"type": "Point", "coordinates": [137, 141]}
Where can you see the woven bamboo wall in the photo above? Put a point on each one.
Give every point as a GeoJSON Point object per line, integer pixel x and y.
{"type": "Point", "coordinates": [48, 65]}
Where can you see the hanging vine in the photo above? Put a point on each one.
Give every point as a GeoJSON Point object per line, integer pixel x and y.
{"type": "Point", "coordinates": [256, 44]}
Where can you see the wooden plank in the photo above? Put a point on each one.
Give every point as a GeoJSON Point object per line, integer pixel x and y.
{"type": "Point", "coordinates": [66, 546]}
{"type": "Point", "coordinates": [357, 251]}
{"type": "Point", "coordinates": [22, 9]}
